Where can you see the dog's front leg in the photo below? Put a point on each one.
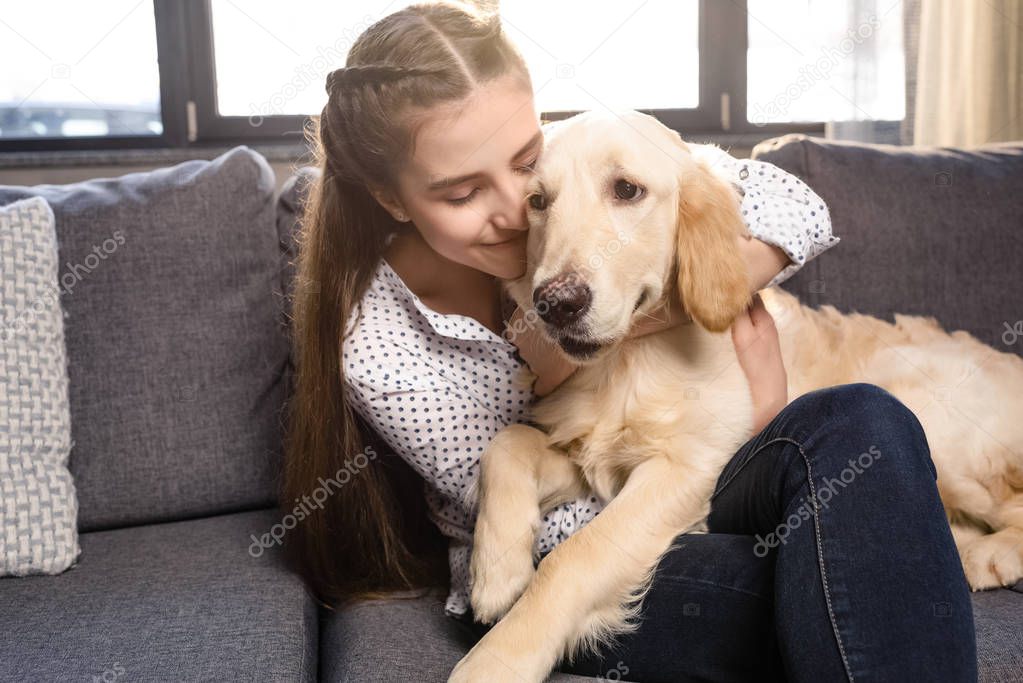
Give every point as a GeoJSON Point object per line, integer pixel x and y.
{"type": "Point", "coordinates": [520, 477]}
{"type": "Point", "coordinates": [588, 587]}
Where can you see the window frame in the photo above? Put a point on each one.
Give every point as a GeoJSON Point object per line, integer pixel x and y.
{"type": "Point", "coordinates": [184, 36]}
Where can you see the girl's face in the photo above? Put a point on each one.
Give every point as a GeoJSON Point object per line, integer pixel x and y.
{"type": "Point", "coordinates": [464, 188]}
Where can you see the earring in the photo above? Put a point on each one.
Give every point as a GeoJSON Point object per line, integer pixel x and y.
{"type": "Point", "coordinates": [400, 217]}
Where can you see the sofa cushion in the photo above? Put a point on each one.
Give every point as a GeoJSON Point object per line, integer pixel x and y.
{"type": "Point", "coordinates": [925, 231]}
{"type": "Point", "coordinates": [998, 619]}
{"type": "Point", "coordinates": [38, 505]}
{"type": "Point", "coordinates": [183, 601]}
{"type": "Point", "coordinates": [170, 281]}
{"type": "Point", "coordinates": [407, 638]}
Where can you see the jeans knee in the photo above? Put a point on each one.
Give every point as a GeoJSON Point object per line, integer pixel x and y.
{"type": "Point", "coordinates": [867, 412]}
{"type": "Point", "coordinates": [871, 402]}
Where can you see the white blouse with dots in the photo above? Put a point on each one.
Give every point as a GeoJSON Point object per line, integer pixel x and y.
{"type": "Point", "coordinates": [438, 387]}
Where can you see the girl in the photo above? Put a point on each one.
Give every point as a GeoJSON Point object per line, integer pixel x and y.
{"type": "Point", "coordinates": [424, 146]}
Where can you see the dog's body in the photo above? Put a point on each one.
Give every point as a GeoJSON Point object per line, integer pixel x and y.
{"type": "Point", "coordinates": [966, 396]}
{"type": "Point", "coordinates": [648, 423]}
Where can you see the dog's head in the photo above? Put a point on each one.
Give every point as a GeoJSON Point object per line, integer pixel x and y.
{"type": "Point", "coordinates": [620, 211]}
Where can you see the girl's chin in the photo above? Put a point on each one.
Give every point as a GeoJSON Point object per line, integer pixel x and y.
{"type": "Point", "coordinates": [504, 271]}
{"type": "Point", "coordinates": [508, 266]}
{"type": "Point", "coordinates": [514, 273]}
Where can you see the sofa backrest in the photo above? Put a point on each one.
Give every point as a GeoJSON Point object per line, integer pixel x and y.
{"type": "Point", "coordinates": [170, 283]}
{"type": "Point", "coordinates": [924, 231]}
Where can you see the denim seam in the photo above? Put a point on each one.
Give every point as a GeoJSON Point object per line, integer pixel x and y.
{"type": "Point", "coordinates": [817, 535]}
{"type": "Point", "coordinates": [704, 582]}
{"type": "Point", "coordinates": [750, 457]}
{"type": "Point", "coordinates": [820, 561]}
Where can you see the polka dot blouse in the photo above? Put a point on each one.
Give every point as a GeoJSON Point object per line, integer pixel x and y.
{"type": "Point", "coordinates": [438, 387]}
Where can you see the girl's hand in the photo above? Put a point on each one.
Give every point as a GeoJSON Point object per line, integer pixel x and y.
{"type": "Point", "coordinates": [756, 344]}
{"type": "Point", "coordinates": [763, 261]}
{"type": "Point", "coordinates": [666, 316]}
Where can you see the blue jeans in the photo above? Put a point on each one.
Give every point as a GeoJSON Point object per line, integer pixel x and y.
{"type": "Point", "coordinates": [828, 558]}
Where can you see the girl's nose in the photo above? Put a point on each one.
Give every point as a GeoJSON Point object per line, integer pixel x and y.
{"type": "Point", "coordinates": [510, 209]}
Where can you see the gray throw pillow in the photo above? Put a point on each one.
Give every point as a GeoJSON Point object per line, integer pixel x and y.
{"type": "Point", "coordinates": [38, 504]}
{"type": "Point", "coordinates": [169, 281]}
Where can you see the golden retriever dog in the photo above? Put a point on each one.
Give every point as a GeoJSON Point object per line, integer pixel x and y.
{"type": "Point", "coordinates": [622, 210]}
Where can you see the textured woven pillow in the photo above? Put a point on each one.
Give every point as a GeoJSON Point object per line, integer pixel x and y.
{"type": "Point", "coordinates": [38, 505]}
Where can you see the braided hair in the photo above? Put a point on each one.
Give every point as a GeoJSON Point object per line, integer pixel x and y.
{"type": "Point", "coordinates": [356, 75]}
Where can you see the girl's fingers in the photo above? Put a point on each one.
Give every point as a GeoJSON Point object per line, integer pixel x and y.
{"type": "Point", "coordinates": [759, 313]}
{"type": "Point", "coordinates": [748, 329]}
{"type": "Point", "coordinates": [743, 328]}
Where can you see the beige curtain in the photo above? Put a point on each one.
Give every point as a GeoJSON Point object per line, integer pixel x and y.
{"type": "Point", "coordinates": [969, 88]}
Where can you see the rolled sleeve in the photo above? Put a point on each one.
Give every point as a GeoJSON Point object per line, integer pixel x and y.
{"type": "Point", "coordinates": [778, 208]}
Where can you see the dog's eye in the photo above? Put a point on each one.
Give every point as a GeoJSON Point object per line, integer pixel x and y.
{"type": "Point", "coordinates": [537, 201]}
{"type": "Point", "coordinates": [626, 190]}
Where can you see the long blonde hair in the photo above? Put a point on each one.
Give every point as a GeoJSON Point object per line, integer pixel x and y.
{"type": "Point", "coordinates": [365, 541]}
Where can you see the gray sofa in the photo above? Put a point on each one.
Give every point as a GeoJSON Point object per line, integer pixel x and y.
{"type": "Point", "coordinates": [180, 368]}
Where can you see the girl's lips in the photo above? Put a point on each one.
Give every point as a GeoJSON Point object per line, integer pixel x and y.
{"type": "Point", "coordinates": [497, 244]}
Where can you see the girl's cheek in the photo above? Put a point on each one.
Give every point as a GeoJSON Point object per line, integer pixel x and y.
{"type": "Point", "coordinates": [466, 229]}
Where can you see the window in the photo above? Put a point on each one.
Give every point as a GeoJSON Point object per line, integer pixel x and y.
{"type": "Point", "coordinates": [231, 71]}
{"type": "Point", "coordinates": [299, 43]}
{"type": "Point", "coordinates": [610, 60]}
{"type": "Point", "coordinates": [822, 60]}
{"type": "Point", "coordinates": [91, 73]}
{"type": "Point", "coordinates": [244, 93]}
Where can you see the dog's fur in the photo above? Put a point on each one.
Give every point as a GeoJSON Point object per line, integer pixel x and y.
{"type": "Point", "coordinates": [648, 423]}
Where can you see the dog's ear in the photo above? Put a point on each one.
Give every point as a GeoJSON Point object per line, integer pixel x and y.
{"type": "Point", "coordinates": [712, 279]}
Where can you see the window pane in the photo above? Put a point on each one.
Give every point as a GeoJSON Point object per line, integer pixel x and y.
{"type": "Point", "coordinates": [586, 55]}
{"type": "Point", "coordinates": [825, 60]}
{"type": "Point", "coordinates": [82, 69]}
{"type": "Point", "coordinates": [272, 60]}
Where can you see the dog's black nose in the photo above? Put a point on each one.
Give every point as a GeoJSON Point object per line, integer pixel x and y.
{"type": "Point", "coordinates": [562, 300]}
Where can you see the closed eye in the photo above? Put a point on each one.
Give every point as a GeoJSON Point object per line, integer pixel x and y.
{"type": "Point", "coordinates": [529, 167]}
{"type": "Point", "coordinates": [458, 201]}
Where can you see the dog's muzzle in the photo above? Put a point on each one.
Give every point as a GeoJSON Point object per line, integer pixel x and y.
{"type": "Point", "coordinates": [562, 301]}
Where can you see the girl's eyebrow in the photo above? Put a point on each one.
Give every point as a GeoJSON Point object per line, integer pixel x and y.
{"type": "Point", "coordinates": [449, 182]}
{"type": "Point", "coordinates": [538, 137]}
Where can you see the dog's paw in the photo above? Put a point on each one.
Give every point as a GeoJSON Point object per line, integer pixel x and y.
{"type": "Point", "coordinates": [523, 378]}
{"type": "Point", "coordinates": [482, 664]}
{"type": "Point", "coordinates": [994, 560]}
{"type": "Point", "coordinates": [499, 578]}
{"type": "Point", "coordinates": [501, 658]}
